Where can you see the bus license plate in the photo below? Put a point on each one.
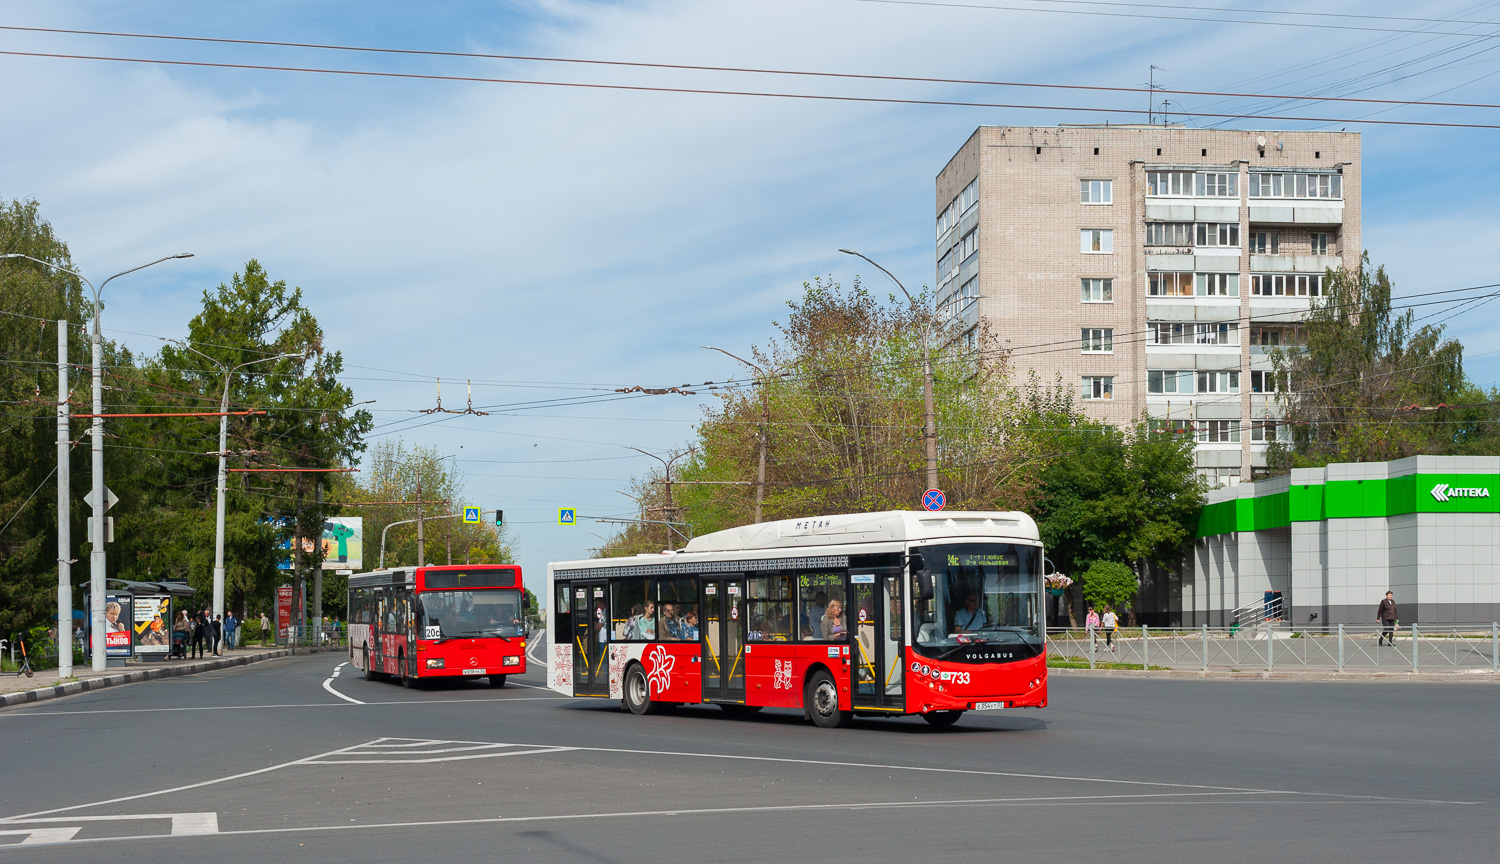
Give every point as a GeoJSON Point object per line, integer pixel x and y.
{"type": "Point", "coordinates": [473, 671]}
{"type": "Point", "coordinates": [988, 706]}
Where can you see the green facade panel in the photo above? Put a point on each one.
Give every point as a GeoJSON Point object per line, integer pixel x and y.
{"type": "Point", "coordinates": [1354, 499]}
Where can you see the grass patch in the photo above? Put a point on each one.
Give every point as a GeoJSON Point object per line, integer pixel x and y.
{"type": "Point", "coordinates": [1061, 663]}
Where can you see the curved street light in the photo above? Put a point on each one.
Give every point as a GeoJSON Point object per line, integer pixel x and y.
{"type": "Point", "coordinates": [96, 498]}
{"type": "Point", "coordinates": [765, 420]}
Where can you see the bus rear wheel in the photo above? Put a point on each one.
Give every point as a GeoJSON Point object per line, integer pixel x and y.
{"type": "Point", "coordinates": [637, 693]}
{"type": "Point", "coordinates": [407, 680]}
{"type": "Point", "coordinates": [942, 718]}
{"type": "Point", "coordinates": [497, 680]}
{"type": "Point", "coordinates": [369, 670]}
{"type": "Point", "coordinates": [822, 700]}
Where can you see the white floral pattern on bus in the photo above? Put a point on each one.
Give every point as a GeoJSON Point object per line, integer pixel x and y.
{"type": "Point", "coordinates": [562, 665]}
{"type": "Point", "coordinates": [783, 676]}
{"type": "Point", "coordinates": [659, 674]}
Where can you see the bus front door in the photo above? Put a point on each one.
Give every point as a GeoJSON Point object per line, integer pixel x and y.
{"type": "Point", "coordinates": [590, 640]}
{"type": "Point", "coordinates": [877, 672]}
{"type": "Point", "coordinates": [723, 640]}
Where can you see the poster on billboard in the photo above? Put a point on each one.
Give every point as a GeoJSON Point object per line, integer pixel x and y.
{"type": "Point", "coordinates": [284, 595]}
{"type": "Point", "coordinates": [118, 616]}
{"type": "Point", "coordinates": [343, 543]}
{"type": "Point", "coordinates": [153, 624]}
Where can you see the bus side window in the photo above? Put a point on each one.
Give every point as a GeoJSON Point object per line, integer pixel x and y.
{"type": "Point", "coordinates": [770, 609]}
{"type": "Point", "coordinates": [629, 596]}
{"type": "Point", "coordinates": [562, 615]}
{"type": "Point", "coordinates": [676, 598]}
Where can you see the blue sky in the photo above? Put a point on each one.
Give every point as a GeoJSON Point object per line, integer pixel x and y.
{"type": "Point", "coordinates": [541, 240]}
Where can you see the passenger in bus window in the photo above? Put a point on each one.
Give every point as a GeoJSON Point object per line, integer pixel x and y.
{"type": "Point", "coordinates": [601, 622]}
{"type": "Point", "coordinates": [643, 624]}
{"type": "Point", "coordinates": [690, 625]}
{"type": "Point", "coordinates": [833, 621]}
{"type": "Point", "coordinates": [814, 613]}
{"type": "Point", "coordinates": [671, 628]}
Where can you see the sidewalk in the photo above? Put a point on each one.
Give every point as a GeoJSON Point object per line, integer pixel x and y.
{"type": "Point", "coordinates": [1456, 676]}
{"type": "Point", "coordinates": [45, 685]}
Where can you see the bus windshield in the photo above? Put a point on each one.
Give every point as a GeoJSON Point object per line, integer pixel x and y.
{"type": "Point", "coordinates": [468, 614]}
{"type": "Point", "coordinates": [983, 593]}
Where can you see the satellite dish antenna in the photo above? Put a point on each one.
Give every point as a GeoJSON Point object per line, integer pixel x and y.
{"type": "Point", "coordinates": [1260, 141]}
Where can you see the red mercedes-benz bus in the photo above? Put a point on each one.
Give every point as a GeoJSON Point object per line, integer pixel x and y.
{"type": "Point", "coordinates": [434, 622]}
{"type": "Point", "coordinates": [892, 613]}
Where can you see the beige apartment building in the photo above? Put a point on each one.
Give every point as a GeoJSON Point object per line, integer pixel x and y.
{"type": "Point", "coordinates": [1155, 268]}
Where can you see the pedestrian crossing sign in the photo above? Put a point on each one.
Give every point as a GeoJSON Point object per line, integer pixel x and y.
{"type": "Point", "coordinates": [471, 515]}
{"type": "Point", "coordinates": [567, 516]}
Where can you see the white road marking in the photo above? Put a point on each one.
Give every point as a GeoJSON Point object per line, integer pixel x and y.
{"type": "Point", "coordinates": [183, 825]}
{"type": "Point", "coordinates": [539, 640]}
{"type": "Point", "coordinates": [402, 702]}
{"type": "Point", "coordinates": [399, 751]}
{"type": "Point", "coordinates": [527, 686]}
{"type": "Point", "coordinates": [31, 836]}
{"type": "Point", "coordinates": [328, 685]}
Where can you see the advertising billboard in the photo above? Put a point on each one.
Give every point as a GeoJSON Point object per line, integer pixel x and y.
{"type": "Point", "coordinates": [284, 596]}
{"type": "Point", "coordinates": [343, 543]}
{"type": "Point", "coordinates": [118, 617]}
{"type": "Point", "coordinates": [153, 624]}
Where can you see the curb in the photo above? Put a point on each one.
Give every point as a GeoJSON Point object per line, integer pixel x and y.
{"type": "Point", "coordinates": [72, 688]}
{"type": "Point", "coordinates": [1480, 676]}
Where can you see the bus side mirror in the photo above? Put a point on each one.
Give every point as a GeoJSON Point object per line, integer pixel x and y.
{"type": "Point", "coordinates": [922, 576]}
{"type": "Point", "coordinates": [525, 601]}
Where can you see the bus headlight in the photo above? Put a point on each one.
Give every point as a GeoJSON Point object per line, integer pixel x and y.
{"type": "Point", "coordinates": [512, 661]}
{"type": "Point", "coordinates": [435, 664]}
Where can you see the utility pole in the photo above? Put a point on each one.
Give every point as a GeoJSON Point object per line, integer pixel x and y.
{"type": "Point", "coordinates": [670, 510]}
{"type": "Point", "coordinates": [318, 574]}
{"type": "Point", "coordinates": [64, 515]}
{"type": "Point", "coordinates": [930, 434]}
{"type": "Point", "coordinates": [421, 537]}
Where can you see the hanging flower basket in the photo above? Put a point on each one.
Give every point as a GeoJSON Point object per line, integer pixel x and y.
{"type": "Point", "coordinates": [1057, 583]}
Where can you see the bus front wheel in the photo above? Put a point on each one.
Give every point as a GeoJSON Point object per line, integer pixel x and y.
{"type": "Point", "coordinates": [637, 695]}
{"type": "Point", "coordinates": [942, 718]}
{"type": "Point", "coordinates": [822, 700]}
{"type": "Point", "coordinates": [497, 680]}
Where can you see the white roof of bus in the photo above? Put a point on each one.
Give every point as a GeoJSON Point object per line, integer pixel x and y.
{"type": "Point", "coordinates": [890, 526]}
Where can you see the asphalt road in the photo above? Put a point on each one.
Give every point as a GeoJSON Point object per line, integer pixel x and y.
{"type": "Point", "coordinates": [272, 761]}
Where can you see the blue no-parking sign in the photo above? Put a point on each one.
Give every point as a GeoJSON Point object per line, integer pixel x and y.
{"type": "Point", "coordinates": [934, 500]}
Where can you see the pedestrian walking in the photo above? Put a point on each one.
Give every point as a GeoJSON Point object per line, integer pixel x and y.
{"type": "Point", "coordinates": [1385, 616]}
{"type": "Point", "coordinates": [216, 632]}
{"type": "Point", "coordinates": [200, 634]}
{"type": "Point", "coordinates": [1108, 622]}
{"type": "Point", "coordinates": [1091, 625]}
{"type": "Point", "coordinates": [231, 631]}
{"type": "Point", "coordinates": [265, 629]}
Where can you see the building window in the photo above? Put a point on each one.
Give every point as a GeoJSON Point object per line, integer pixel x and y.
{"type": "Point", "coordinates": [1171, 427]}
{"type": "Point", "coordinates": [1276, 336]}
{"type": "Point", "coordinates": [1169, 233]}
{"type": "Point", "coordinates": [1098, 387]}
{"type": "Point", "coordinates": [1217, 184]}
{"type": "Point", "coordinates": [1286, 285]}
{"type": "Point", "coordinates": [947, 218]}
{"type": "Point", "coordinates": [1218, 431]}
{"type": "Point", "coordinates": [1098, 290]}
{"type": "Point", "coordinates": [1219, 382]}
{"type": "Point", "coordinates": [1096, 240]}
{"type": "Point", "coordinates": [1169, 284]}
{"type": "Point", "coordinates": [1217, 284]}
{"type": "Point", "coordinates": [1271, 430]}
{"type": "Point", "coordinates": [969, 197]}
{"type": "Point", "coordinates": [1265, 243]}
{"type": "Point", "coordinates": [957, 207]}
{"type": "Point", "coordinates": [967, 246]}
{"type": "Point", "coordinates": [971, 339]}
{"type": "Point", "coordinates": [1169, 381]}
{"type": "Point", "coordinates": [1169, 182]}
{"type": "Point", "coordinates": [1320, 244]}
{"type": "Point", "coordinates": [1224, 333]}
{"type": "Point", "coordinates": [1267, 382]}
{"type": "Point", "coordinates": [948, 266]}
{"type": "Point", "coordinates": [1098, 340]}
{"type": "Point", "coordinates": [1289, 185]}
{"type": "Point", "coordinates": [1169, 333]}
{"type": "Point", "coordinates": [1218, 234]}
{"type": "Point", "coordinates": [1095, 192]}
{"type": "Point", "coordinates": [1217, 478]}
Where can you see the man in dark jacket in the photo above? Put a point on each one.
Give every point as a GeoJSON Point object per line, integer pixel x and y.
{"type": "Point", "coordinates": [1386, 617]}
{"type": "Point", "coordinates": [216, 632]}
{"type": "Point", "coordinates": [200, 634]}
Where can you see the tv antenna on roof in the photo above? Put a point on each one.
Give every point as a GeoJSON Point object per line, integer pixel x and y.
{"type": "Point", "coordinates": [1151, 88]}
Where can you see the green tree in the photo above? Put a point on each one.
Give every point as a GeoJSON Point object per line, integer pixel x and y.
{"type": "Point", "coordinates": [1110, 583]}
{"type": "Point", "coordinates": [31, 296]}
{"type": "Point", "coordinates": [1371, 385]}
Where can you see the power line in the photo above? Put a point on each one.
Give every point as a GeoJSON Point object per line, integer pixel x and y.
{"type": "Point", "coordinates": [703, 91]}
{"type": "Point", "coordinates": [475, 55]}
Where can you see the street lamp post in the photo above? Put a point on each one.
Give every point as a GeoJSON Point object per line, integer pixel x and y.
{"type": "Point", "coordinates": [96, 502]}
{"type": "Point", "coordinates": [667, 467]}
{"type": "Point", "coordinates": [765, 420]}
{"type": "Point", "coordinates": [223, 453]}
{"type": "Point", "coordinates": [931, 431]}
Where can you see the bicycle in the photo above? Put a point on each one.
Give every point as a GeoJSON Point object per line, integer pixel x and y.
{"type": "Point", "coordinates": [25, 667]}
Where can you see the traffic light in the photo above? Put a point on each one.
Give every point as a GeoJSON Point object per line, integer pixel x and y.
{"type": "Point", "coordinates": [499, 518]}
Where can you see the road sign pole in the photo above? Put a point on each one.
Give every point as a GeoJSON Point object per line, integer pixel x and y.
{"type": "Point", "coordinates": [96, 525]}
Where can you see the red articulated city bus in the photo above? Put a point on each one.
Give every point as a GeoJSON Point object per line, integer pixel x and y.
{"type": "Point", "coordinates": [415, 623]}
{"type": "Point", "coordinates": [880, 614]}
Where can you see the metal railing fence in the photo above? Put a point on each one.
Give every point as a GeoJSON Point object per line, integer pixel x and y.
{"type": "Point", "coordinates": [1272, 646]}
{"type": "Point", "coordinates": [316, 636]}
